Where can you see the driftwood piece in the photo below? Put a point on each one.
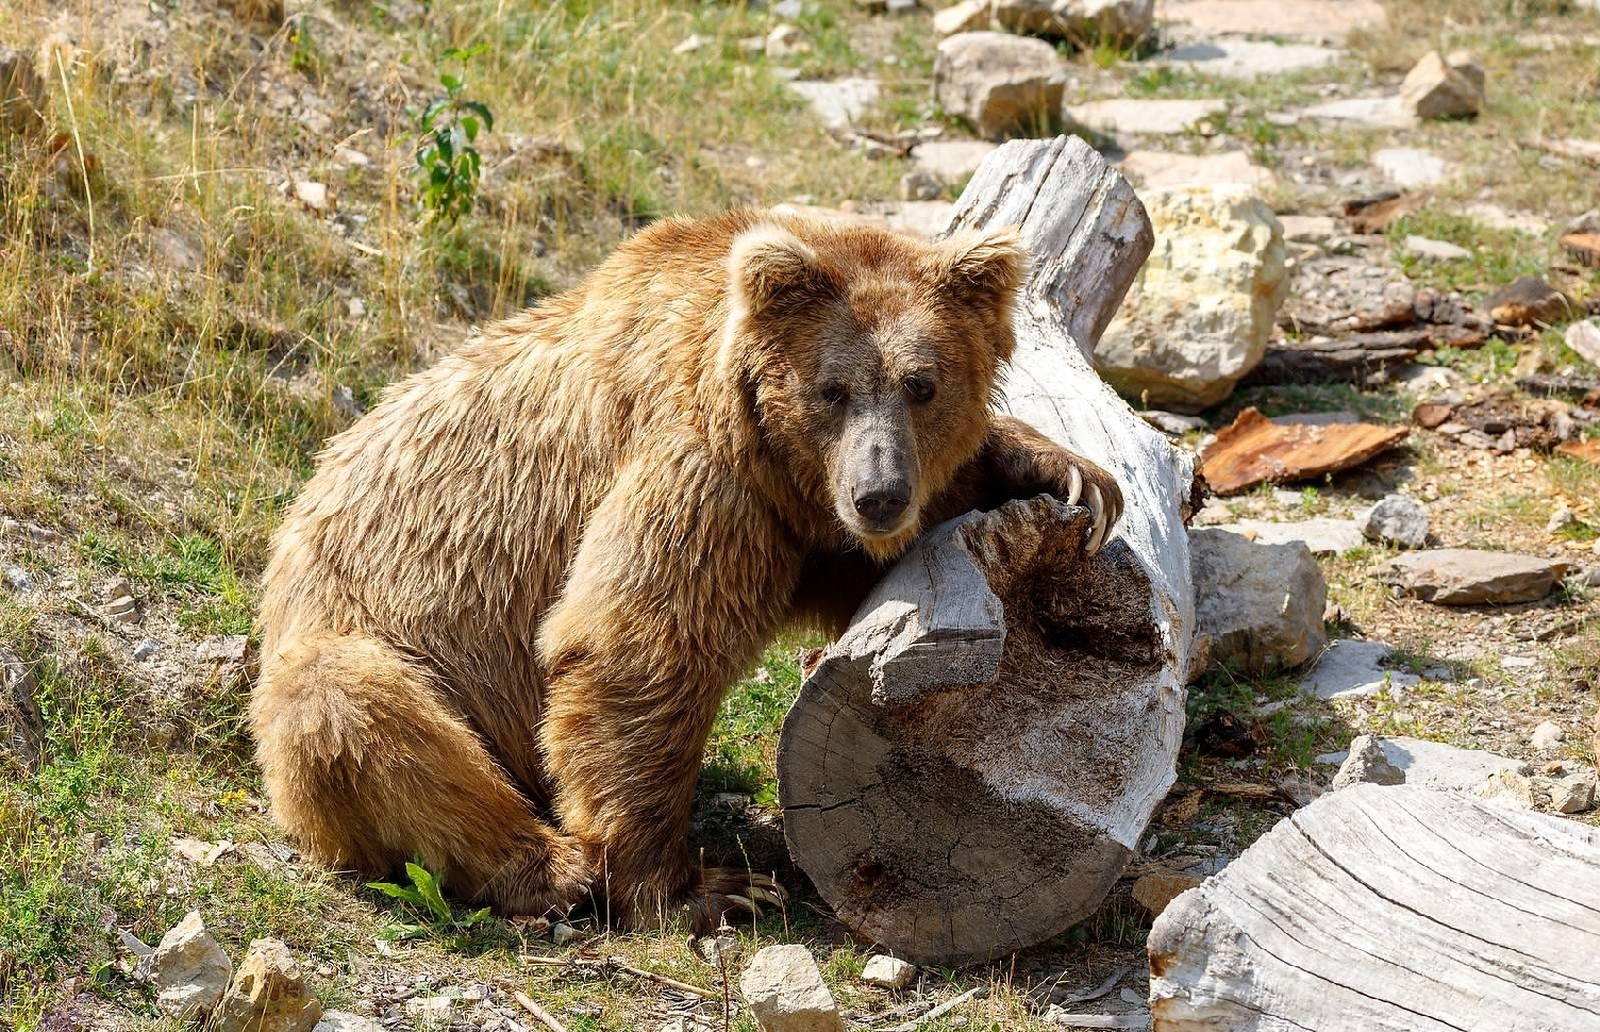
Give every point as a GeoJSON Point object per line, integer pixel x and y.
{"type": "Point", "coordinates": [1406, 909]}
{"type": "Point", "coordinates": [969, 767]}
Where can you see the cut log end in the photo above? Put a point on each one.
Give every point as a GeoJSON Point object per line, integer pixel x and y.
{"type": "Point", "coordinates": [968, 821]}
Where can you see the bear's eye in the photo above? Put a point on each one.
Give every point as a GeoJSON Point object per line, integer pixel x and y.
{"type": "Point", "coordinates": [919, 388]}
{"type": "Point", "coordinates": [834, 393]}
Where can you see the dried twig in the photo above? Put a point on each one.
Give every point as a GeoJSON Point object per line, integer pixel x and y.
{"type": "Point", "coordinates": [545, 1017]}
{"type": "Point", "coordinates": [616, 964]}
{"type": "Point", "coordinates": [939, 1011]}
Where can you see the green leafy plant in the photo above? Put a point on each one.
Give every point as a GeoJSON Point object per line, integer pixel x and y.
{"type": "Point", "coordinates": [425, 902]}
{"type": "Point", "coordinates": [448, 162]}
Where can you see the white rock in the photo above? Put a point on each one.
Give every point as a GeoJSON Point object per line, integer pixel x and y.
{"type": "Point", "coordinates": [1437, 89]}
{"type": "Point", "coordinates": [1574, 793]}
{"type": "Point", "coordinates": [1547, 737]}
{"type": "Point", "coordinates": [562, 933]}
{"type": "Point", "coordinates": [1367, 764]}
{"type": "Point", "coordinates": [786, 41]}
{"type": "Point", "coordinates": [840, 102]}
{"type": "Point", "coordinates": [1261, 605]}
{"type": "Point", "coordinates": [1308, 229]}
{"type": "Point", "coordinates": [1410, 166]}
{"type": "Point", "coordinates": [189, 970]}
{"type": "Point", "coordinates": [1200, 314]}
{"type": "Point", "coordinates": [314, 196]}
{"type": "Point", "coordinates": [1284, 19]}
{"type": "Point", "coordinates": [1446, 766]}
{"type": "Point", "coordinates": [690, 43]}
{"type": "Point", "coordinates": [967, 16]}
{"type": "Point", "coordinates": [1000, 84]}
{"type": "Point", "coordinates": [1367, 112]}
{"type": "Point", "coordinates": [269, 994]}
{"type": "Point", "coordinates": [1349, 668]}
{"type": "Point", "coordinates": [888, 972]}
{"type": "Point", "coordinates": [1496, 217]}
{"type": "Point", "coordinates": [1511, 789]}
{"type": "Point", "coordinates": [1081, 22]}
{"type": "Point", "coordinates": [1233, 58]}
{"type": "Point", "coordinates": [785, 992]}
{"type": "Point", "coordinates": [19, 579]}
{"type": "Point", "coordinates": [1324, 536]}
{"type": "Point", "coordinates": [431, 1012]}
{"type": "Point", "coordinates": [1435, 250]}
{"type": "Point", "coordinates": [951, 161]}
{"type": "Point", "coordinates": [344, 1021]}
{"type": "Point", "coordinates": [1172, 422]}
{"type": "Point", "coordinates": [1396, 520]}
{"type": "Point", "coordinates": [1159, 169]}
{"type": "Point", "coordinates": [1584, 338]}
{"type": "Point", "coordinates": [1561, 518]}
{"type": "Point", "coordinates": [1144, 117]}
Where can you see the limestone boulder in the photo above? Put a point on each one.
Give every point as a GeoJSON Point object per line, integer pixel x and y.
{"type": "Point", "coordinates": [1261, 605]}
{"type": "Point", "coordinates": [1199, 316]}
{"type": "Point", "coordinates": [1003, 85]}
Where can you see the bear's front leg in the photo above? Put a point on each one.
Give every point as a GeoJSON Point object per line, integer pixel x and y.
{"type": "Point", "coordinates": [1017, 461]}
{"type": "Point", "coordinates": [680, 580]}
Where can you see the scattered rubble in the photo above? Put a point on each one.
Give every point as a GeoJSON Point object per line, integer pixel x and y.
{"type": "Point", "coordinates": [1260, 605]}
{"type": "Point", "coordinates": [1161, 169]}
{"type": "Point", "coordinates": [1257, 450]}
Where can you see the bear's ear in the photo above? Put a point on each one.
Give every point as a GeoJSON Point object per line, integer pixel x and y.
{"type": "Point", "coordinates": [769, 266]}
{"type": "Point", "coordinates": [979, 267]}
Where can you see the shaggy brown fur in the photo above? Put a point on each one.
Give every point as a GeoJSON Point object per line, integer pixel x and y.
{"type": "Point", "coordinates": [499, 619]}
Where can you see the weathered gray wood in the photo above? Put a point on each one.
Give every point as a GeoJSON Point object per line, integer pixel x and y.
{"type": "Point", "coordinates": [1404, 908]}
{"type": "Point", "coordinates": [969, 767]}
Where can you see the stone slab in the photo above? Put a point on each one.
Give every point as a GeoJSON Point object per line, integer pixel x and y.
{"type": "Point", "coordinates": [1144, 117]}
{"type": "Point", "coordinates": [1349, 669]}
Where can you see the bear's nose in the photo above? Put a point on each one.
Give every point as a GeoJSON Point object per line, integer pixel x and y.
{"type": "Point", "coordinates": [883, 505]}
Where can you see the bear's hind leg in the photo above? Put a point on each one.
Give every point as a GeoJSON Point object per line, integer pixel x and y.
{"type": "Point", "coordinates": [367, 767]}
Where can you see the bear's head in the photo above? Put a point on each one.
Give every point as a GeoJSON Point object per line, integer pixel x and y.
{"type": "Point", "coordinates": [870, 360]}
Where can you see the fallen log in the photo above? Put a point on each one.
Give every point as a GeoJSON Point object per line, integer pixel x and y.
{"type": "Point", "coordinates": [967, 770]}
{"type": "Point", "coordinates": [1404, 908]}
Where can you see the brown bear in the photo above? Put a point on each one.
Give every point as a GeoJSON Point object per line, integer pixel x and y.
{"type": "Point", "coordinates": [499, 619]}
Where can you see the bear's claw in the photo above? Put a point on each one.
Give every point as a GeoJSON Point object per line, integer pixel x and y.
{"type": "Point", "coordinates": [724, 889]}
